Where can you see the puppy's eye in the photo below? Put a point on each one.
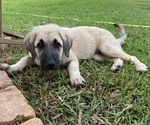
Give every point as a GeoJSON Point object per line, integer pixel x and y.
{"type": "Point", "coordinates": [56, 44]}
{"type": "Point", "coordinates": [40, 45]}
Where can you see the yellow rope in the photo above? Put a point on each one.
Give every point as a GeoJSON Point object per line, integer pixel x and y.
{"type": "Point", "coordinates": [79, 20]}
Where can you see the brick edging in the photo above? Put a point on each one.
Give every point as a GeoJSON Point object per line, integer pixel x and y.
{"type": "Point", "coordinates": [13, 105]}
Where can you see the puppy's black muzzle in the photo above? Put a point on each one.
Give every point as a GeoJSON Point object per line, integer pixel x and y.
{"type": "Point", "coordinates": [50, 59]}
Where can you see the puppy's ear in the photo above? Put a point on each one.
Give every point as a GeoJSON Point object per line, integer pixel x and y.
{"type": "Point", "coordinates": [67, 41]}
{"type": "Point", "coordinates": [29, 44]}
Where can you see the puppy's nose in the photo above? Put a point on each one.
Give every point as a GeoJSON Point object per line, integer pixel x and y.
{"type": "Point", "coordinates": [51, 65]}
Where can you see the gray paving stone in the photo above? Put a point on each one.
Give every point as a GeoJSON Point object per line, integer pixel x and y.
{"type": "Point", "coordinates": [34, 121]}
{"type": "Point", "coordinates": [5, 81]}
{"type": "Point", "coordinates": [14, 107]}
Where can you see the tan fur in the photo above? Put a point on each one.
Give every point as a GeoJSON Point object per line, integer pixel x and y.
{"type": "Point", "coordinates": [77, 43]}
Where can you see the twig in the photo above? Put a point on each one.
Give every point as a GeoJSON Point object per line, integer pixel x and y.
{"type": "Point", "coordinates": [80, 117]}
{"type": "Point", "coordinates": [102, 119]}
{"type": "Point", "coordinates": [126, 108]}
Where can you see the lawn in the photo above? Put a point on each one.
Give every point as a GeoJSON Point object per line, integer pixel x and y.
{"type": "Point", "coordinates": [110, 98]}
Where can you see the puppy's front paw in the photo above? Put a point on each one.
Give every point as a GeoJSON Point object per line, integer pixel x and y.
{"type": "Point", "coordinates": [77, 81]}
{"type": "Point", "coordinates": [8, 68]}
{"type": "Point", "coordinates": [4, 66]}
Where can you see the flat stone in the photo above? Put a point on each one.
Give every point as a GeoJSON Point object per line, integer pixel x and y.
{"type": "Point", "coordinates": [5, 81]}
{"type": "Point", "coordinates": [34, 121]}
{"type": "Point", "coordinates": [13, 107]}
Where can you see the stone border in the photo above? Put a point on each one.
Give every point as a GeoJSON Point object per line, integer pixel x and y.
{"type": "Point", "coordinates": [14, 108]}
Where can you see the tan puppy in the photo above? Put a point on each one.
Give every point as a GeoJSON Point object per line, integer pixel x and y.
{"type": "Point", "coordinates": [50, 46]}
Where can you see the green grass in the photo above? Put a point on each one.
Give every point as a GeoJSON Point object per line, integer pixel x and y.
{"type": "Point", "coordinates": [121, 98]}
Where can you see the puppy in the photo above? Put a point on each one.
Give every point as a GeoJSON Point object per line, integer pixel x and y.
{"type": "Point", "coordinates": [50, 46]}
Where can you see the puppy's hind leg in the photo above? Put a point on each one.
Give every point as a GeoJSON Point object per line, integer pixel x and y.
{"type": "Point", "coordinates": [118, 63]}
{"type": "Point", "coordinates": [116, 52]}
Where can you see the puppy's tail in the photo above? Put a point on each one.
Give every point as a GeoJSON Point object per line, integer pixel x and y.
{"type": "Point", "coordinates": [123, 35]}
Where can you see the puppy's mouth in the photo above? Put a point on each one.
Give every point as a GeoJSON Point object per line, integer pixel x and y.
{"type": "Point", "coordinates": [49, 67]}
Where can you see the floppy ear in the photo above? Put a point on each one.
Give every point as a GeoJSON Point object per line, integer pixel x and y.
{"type": "Point", "coordinates": [29, 44]}
{"type": "Point", "coordinates": [67, 41]}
